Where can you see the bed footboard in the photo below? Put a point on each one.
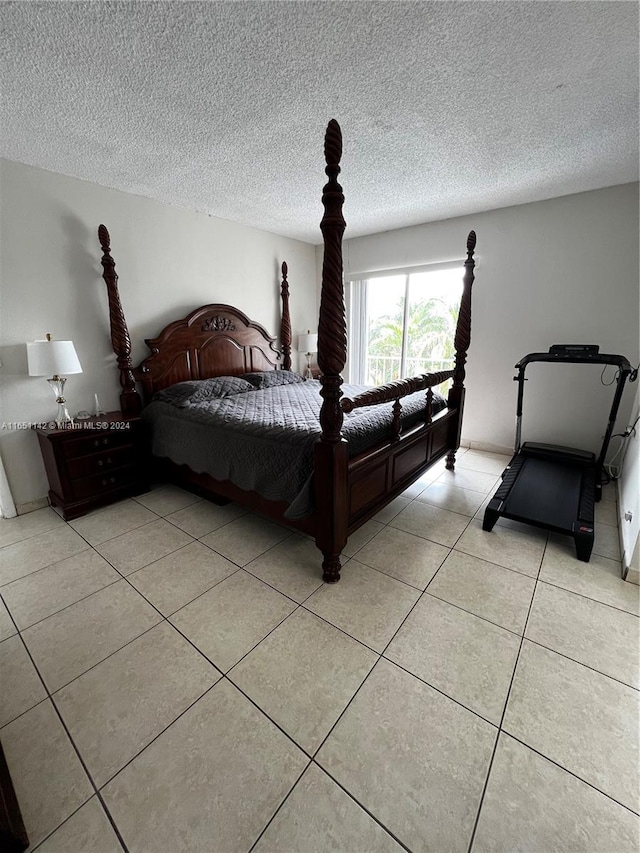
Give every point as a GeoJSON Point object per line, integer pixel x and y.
{"type": "Point", "coordinates": [378, 475]}
{"type": "Point", "coordinates": [395, 391]}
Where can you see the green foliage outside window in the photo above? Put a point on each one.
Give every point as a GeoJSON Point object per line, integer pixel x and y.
{"type": "Point", "coordinates": [430, 330]}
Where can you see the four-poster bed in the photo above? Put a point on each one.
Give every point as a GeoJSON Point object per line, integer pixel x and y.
{"type": "Point", "coordinates": [350, 482]}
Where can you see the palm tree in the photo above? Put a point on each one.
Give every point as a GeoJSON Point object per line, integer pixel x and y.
{"type": "Point", "coordinates": [430, 327]}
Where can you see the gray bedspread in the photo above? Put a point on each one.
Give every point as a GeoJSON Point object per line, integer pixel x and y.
{"type": "Point", "coordinates": [262, 440]}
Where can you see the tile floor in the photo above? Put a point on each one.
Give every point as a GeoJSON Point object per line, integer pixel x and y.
{"type": "Point", "coordinates": [176, 677]}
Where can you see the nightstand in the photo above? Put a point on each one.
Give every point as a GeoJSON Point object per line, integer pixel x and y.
{"type": "Point", "coordinates": [94, 462]}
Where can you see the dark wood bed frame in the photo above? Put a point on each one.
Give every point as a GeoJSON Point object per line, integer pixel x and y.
{"type": "Point", "coordinates": [217, 340]}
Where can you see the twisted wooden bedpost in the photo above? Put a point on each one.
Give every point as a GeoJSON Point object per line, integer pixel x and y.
{"type": "Point", "coordinates": [285, 324]}
{"type": "Point", "coordinates": [130, 402]}
{"type": "Point", "coordinates": [331, 451]}
{"type": "Point", "coordinates": [461, 342]}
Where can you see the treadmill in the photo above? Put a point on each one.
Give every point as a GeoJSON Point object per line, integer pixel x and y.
{"type": "Point", "coordinates": [556, 487]}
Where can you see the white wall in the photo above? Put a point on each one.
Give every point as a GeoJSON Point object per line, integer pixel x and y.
{"type": "Point", "coordinates": [169, 260]}
{"type": "Point", "coordinates": [629, 495]}
{"type": "Point", "coordinates": [557, 271]}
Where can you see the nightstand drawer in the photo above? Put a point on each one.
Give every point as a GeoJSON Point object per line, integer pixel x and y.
{"type": "Point", "coordinates": [95, 463]}
{"type": "Point", "coordinates": [87, 487]}
{"type": "Point", "coordinates": [97, 442]}
{"type": "Point", "coordinates": [99, 463]}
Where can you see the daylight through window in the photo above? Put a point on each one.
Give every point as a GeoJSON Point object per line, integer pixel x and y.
{"type": "Point", "coordinates": [406, 324]}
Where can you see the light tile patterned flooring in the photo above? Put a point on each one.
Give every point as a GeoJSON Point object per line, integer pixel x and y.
{"type": "Point", "coordinates": [176, 677]}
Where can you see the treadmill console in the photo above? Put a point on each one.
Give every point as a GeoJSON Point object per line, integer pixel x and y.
{"type": "Point", "coordinates": [574, 349]}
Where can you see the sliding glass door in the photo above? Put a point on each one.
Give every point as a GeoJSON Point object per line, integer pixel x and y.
{"type": "Point", "coordinates": [408, 324]}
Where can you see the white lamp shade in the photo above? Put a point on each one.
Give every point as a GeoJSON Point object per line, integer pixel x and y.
{"type": "Point", "coordinates": [307, 343]}
{"type": "Point", "coordinates": [52, 358]}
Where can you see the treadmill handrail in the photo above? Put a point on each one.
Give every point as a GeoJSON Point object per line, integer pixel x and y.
{"type": "Point", "coordinates": [576, 358]}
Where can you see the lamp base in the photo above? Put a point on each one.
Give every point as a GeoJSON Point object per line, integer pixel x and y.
{"type": "Point", "coordinates": [63, 418]}
{"type": "Point", "coordinates": [57, 386]}
{"type": "Point", "coordinates": [308, 374]}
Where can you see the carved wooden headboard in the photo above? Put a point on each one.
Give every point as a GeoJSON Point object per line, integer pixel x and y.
{"type": "Point", "coordinates": [214, 340]}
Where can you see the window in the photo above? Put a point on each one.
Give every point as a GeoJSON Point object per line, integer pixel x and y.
{"type": "Point", "coordinates": [403, 324]}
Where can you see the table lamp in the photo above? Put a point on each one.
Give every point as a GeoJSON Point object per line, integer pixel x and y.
{"type": "Point", "coordinates": [54, 357]}
{"type": "Point", "coordinates": [308, 344]}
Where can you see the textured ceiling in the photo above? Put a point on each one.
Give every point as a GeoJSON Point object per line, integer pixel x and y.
{"type": "Point", "coordinates": [446, 108]}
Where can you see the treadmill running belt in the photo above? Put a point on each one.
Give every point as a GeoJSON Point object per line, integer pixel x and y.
{"type": "Point", "coordinates": [546, 493]}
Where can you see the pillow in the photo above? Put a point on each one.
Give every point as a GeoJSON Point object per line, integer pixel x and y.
{"type": "Point", "coordinates": [269, 378]}
{"type": "Point", "coordinates": [198, 390]}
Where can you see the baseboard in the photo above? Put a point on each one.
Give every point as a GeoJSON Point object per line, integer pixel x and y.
{"type": "Point", "coordinates": [31, 506]}
{"type": "Point", "coordinates": [630, 570]}
{"type": "Point", "coordinates": [633, 576]}
{"type": "Point", "coordinates": [486, 447]}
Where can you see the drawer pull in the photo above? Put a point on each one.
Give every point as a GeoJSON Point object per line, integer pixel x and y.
{"type": "Point", "coordinates": [76, 447]}
{"type": "Point", "coordinates": [108, 480]}
{"type": "Point", "coordinates": [107, 461]}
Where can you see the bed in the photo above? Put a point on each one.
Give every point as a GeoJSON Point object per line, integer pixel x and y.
{"type": "Point", "coordinates": [355, 449]}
